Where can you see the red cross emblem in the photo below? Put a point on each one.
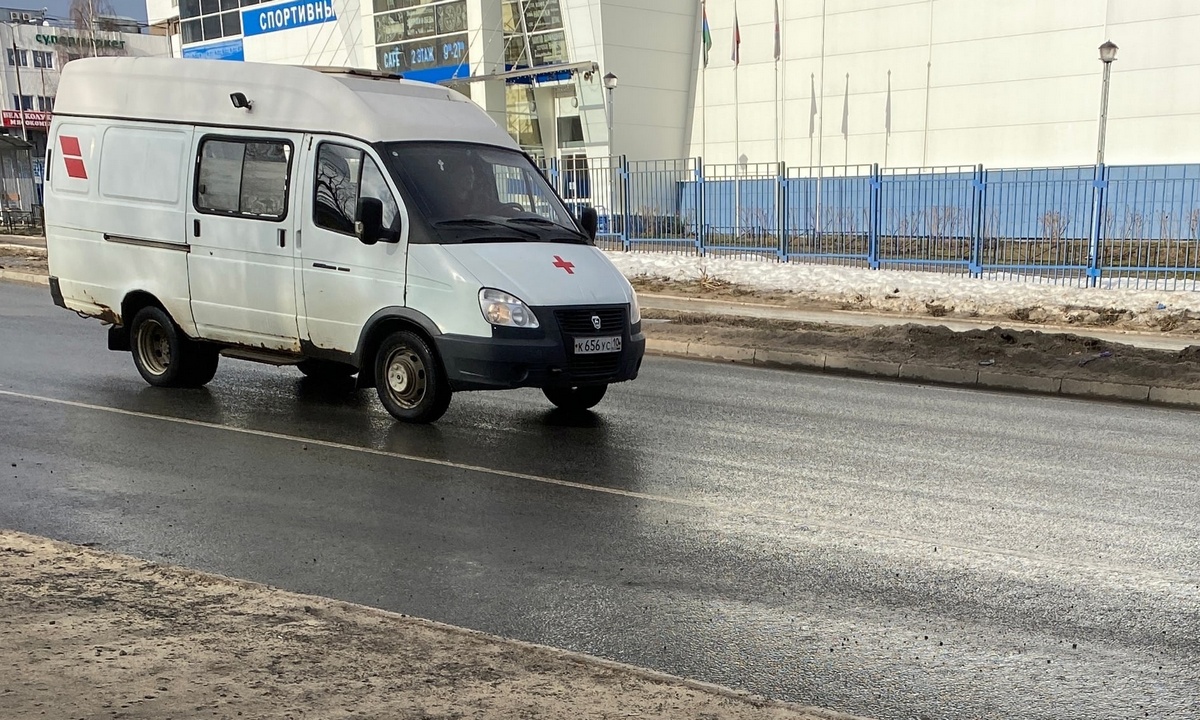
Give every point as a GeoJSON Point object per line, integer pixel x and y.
{"type": "Point", "coordinates": [568, 266]}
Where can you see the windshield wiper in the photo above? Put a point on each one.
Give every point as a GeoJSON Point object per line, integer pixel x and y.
{"type": "Point", "coordinates": [544, 221]}
{"type": "Point", "coordinates": [484, 222]}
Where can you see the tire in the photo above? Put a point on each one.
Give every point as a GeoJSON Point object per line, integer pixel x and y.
{"type": "Point", "coordinates": [409, 379]}
{"type": "Point", "coordinates": [164, 356]}
{"type": "Point", "coordinates": [325, 370]}
{"type": "Point", "coordinates": [576, 398]}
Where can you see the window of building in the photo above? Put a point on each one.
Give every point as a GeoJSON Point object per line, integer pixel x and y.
{"type": "Point", "coordinates": [570, 131]}
{"type": "Point", "coordinates": [45, 104]}
{"type": "Point", "coordinates": [344, 176]}
{"type": "Point", "coordinates": [533, 33]}
{"type": "Point", "coordinates": [420, 34]}
{"type": "Point", "coordinates": [43, 60]}
{"type": "Point", "coordinates": [21, 55]}
{"type": "Point", "coordinates": [244, 177]}
{"type": "Point", "coordinates": [23, 102]}
{"type": "Point", "coordinates": [202, 20]}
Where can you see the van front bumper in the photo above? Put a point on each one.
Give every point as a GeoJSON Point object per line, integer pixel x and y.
{"type": "Point", "coordinates": [478, 363]}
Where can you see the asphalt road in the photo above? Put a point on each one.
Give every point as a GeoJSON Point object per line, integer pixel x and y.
{"type": "Point", "coordinates": [882, 549]}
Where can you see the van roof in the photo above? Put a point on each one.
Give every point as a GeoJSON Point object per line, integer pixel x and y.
{"type": "Point", "coordinates": [362, 104]}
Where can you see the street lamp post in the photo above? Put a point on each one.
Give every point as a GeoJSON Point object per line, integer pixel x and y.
{"type": "Point", "coordinates": [1108, 53]}
{"type": "Point", "coordinates": [610, 84]}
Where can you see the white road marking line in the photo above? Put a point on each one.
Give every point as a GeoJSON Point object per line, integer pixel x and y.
{"type": "Point", "coordinates": [720, 509]}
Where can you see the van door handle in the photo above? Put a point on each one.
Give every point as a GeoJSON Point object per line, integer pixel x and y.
{"type": "Point", "coordinates": [282, 237]}
{"type": "Point", "coordinates": [196, 228]}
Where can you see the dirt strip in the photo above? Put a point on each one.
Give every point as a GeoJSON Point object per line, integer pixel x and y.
{"type": "Point", "coordinates": [91, 634]}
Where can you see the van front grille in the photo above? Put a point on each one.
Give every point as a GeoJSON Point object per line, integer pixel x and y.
{"type": "Point", "coordinates": [579, 322]}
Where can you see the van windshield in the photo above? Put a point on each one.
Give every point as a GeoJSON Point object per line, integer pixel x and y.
{"type": "Point", "coordinates": [479, 193]}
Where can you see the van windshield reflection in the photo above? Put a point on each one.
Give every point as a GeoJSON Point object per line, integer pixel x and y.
{"type": "Point", "coordinates": [475, 193]}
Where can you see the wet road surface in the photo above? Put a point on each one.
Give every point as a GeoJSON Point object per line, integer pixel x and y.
{"type": "Point", "coordinates": [881, 549]}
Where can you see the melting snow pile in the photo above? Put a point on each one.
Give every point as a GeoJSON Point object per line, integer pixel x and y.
{"type": "Point", "coordinates": [918, 292]}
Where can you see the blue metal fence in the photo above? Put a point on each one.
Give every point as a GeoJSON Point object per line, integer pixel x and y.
{"type": "Point", "coordinates": [1131, 226]}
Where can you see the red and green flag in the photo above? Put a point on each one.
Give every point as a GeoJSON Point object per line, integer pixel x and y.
{"type": "Point", "coordinates": [705, 35]}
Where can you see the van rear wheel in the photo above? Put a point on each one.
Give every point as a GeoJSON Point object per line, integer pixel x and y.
{"type": "Point", "coordinates": [409, 379]}
{"type": "Point", "coordinates": [585, 397]}
{"type": "Point", "coordinates": [164, 356]}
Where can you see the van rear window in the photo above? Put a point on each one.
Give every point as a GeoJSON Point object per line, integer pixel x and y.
{"type": "Point", "coordinates": [244, 177]}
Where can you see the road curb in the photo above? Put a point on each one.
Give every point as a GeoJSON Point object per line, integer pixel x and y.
{"type": "Point", "coordinates": [28, 249]}
{"type": "Point", "coordinates": [24, 277]}
{"type": "Point", "coordinates": [918, 373]}
{"type": "Point", "coordinates": [844, 365]}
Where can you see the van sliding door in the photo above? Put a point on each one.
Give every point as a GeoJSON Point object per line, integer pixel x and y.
{"type": "Point", "coordinates": [241, 267]}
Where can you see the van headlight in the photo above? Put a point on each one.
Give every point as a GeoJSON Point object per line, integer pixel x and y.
{"type": "Point", "coordinates": [500, 308]}
{"type": "Point", "coordinates": [635, 310]}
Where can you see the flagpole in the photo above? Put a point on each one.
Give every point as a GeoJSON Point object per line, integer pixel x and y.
{"type": "Point", "coordinates": [703, 81]}
{"type": "Point", "coordinates": [778, 55]}
{"type": "Point", "coordinates": [737, 158]}
{"type": "Point", "coordinates": [737, 131]}
{"type": "Point", "coordinates": [887, 120]}
{"type": "Point", "coordinates": [821, 126]}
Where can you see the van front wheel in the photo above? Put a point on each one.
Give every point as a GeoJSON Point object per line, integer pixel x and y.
{"type": "Point", "coordinates": [409, 379]}
{"type": "Point", "coordinates": [576, 398]}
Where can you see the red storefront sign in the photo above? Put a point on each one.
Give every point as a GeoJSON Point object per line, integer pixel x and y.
{"type": "Point", "coordinates": [35, 120]}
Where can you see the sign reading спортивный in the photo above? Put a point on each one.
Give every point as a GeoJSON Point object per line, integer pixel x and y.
{"type": "Point", "coordinates": [285, 16]}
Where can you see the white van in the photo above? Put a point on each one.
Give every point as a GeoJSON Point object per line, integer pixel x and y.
{"type": "Point", "coordinates": [342, 221]}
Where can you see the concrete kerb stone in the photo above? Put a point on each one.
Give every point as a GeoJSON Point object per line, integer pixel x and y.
{"type": "Point", "coordinates": [1116, 391]}
{"type": "Point", "coordinates": [24, 277]}
{"type": "Point", "coordinates": [935, 374]}
{"type": "Point", "coordinates": [915, 372]}
{"type": "Point", "coordinates": [1175, 396]}
{"type": "Point", "coordinates": [781, 359]}
{"type": "Point", "coordinates": [27, 249]}
{"type": "Point", "coordinates": [859, 366]}
{"type": "Point", "coordinates": [667, 347]}
{"type": "Point", "coordinates": [1024, 383]}
{"type": "Point", "coordinates": [727, 353]}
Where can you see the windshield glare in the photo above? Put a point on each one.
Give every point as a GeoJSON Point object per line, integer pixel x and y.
{"type": "Point", "coordinates": [454, 182]}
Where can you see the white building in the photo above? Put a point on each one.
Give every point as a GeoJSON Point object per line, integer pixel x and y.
{"type": "Point", "coordinates": [895, 82]}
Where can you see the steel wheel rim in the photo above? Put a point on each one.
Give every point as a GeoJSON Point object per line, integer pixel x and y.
{"type": "Point", "coordinates": [406, 377]}
{"type": "Point", "coordinates": [154, 347]}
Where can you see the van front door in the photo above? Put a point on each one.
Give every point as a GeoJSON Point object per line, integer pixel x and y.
{"type": "Point", "coordinates": [344, 281]}
{"type": "Point", "coordinates": [242, 265]}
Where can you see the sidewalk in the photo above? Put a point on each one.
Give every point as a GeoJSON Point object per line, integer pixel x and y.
{"type": "Point", "coordinates": [89, 634]}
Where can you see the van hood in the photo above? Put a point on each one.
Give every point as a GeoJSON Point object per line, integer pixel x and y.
{"type": "Point", "coordinates": [545, 274]}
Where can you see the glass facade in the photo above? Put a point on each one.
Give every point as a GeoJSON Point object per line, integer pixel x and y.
{"type": "Point", "coordinates": [533, 33]}
{"type": "Point", "coordinates": [202, 20]}
{"type": "Point", "coordinates": [424, 39]}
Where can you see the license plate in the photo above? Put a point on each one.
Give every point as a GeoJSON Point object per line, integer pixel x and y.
{"type": "Point", "coordinates": [597, 345]}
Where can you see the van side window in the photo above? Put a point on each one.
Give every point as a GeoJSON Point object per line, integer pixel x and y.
{"type": "Point", "coordinates": [344, 175]}
{"type": "Point", "coordinates": [244, 177]}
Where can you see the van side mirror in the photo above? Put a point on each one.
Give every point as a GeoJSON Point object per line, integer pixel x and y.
{"type": "Point", "coordinates": [369, 226]}
{"type": "Point", "coordinates": [590, 222]}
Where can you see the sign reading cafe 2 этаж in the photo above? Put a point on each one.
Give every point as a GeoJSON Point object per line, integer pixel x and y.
{"type": "Point", "coordinates": [285, 16]}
